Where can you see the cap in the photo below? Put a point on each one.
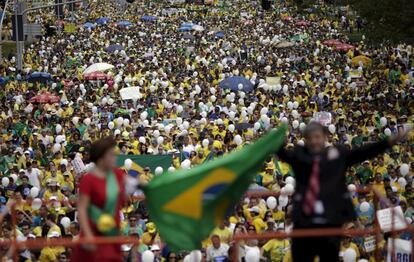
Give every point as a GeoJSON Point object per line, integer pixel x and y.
{"type": "Point", "coordinates": [155, 248]}
{"type": "Point", "coordinates": [255, 209]}
{"type": "Point", "coordinates": [53, 234]}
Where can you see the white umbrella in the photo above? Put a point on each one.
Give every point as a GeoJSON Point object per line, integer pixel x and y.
{"type": "Point", "coordinates": [198, 28]}
{"type": "Point", "coordinates": [130, 93]}
{"type": "Point", "coordinates": [98, 67]}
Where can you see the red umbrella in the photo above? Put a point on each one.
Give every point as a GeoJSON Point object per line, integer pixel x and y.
{"type": "Point", "coordinates": [96, 76]}
{"type": "Point", "coordinates": [332, 42]}
{"type": "Point", "coordinates": [45, 98]}
{"type": "Point", "coordinates": [344, 47]}
{"type": "Point", "coordinates": [302, 23]}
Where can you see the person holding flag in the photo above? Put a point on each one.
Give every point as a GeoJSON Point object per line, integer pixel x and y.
{"type": "Point", "coordinates": [321, 199]}
{"type": "Point", "coordinates": [100, 200]}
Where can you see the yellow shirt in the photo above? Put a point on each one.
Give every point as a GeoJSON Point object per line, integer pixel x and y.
{"type": "Point", "coordinates": [50, 254]}
{"type": "Point", "coordinates": [225, 234]}
{"type": "Point", "coordinates": [277, 249]}
{"type": "Point", "coordinates": [259, 224]}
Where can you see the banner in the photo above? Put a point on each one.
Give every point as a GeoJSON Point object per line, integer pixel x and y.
{"type": "Point", "coordinates": [402, 250]}
{"type": "Point", "coordinates": [142, 161]}
{"type": "Point", "coordinates": [387, 222]}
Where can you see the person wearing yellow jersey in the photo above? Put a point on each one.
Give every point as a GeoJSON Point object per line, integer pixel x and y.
{"type": "Point", "coordinates": [51, 254]}
{"type": "Point", "coordinates": [276, 249]}
{"type": "Point", "coordinates": [257, 222]}
{"type": "Point", "coordinates": [151, 235]}
{"type": "Point", "coordinates": [224, 233]}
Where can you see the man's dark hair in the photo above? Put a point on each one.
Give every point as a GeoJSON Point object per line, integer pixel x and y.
{"type": "Point", "coordinates": [313, 127]}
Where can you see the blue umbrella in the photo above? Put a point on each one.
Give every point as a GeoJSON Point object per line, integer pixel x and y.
{"type": "Point", "coordinates": [113, 48]}
{"type": "Point", "coordinates": [220, 34]}
{"type": "Point", "coordinates": [103, 20]}
{"type": "Point", "coordinates": [124, 23]}
{"type": "Point", "coordinates": [187, 24]}
{"type": "Point", "coordinates": [149, 18]}
{"type": "Point", "coordinates": [184, 29]}
{"type": "Point", "coordinates": [41, 77]}
{"type": "Point", "coordinates": [89, 25]}
{"type": "Point", "coordinates": [233, 83]}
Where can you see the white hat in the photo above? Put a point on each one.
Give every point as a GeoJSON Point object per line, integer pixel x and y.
{"type": "Point", "coordinates": [53, 234]}
{"type": "Point", "coordinates": [155, 248]}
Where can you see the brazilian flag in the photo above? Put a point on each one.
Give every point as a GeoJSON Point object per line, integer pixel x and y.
{"type": "Point", "coordinates": [188, 204]}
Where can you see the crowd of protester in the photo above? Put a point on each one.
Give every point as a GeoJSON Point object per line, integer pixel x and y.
{"type": "Point", "coordinates": [362, 92]}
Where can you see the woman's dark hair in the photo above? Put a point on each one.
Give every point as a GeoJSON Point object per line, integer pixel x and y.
{"type": "Point", "coordinates": [100, 147]}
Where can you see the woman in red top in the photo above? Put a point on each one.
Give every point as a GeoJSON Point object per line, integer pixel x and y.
{"type": "Point", "coordinates": [100, 200]}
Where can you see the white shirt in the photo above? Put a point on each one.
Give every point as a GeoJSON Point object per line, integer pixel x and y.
{"type": "Point", "coordinates": [219, 252]}
{"type": "Point", "coordinates": [33, 176]}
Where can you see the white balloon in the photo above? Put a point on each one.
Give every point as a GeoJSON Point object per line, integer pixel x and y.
{"type": "Point", "coordinates": [295, 124]}
{"type": "Point", "coordinates": [128, 163]}
{"type": "Point", "coordinates": [186, 164]}
{"type": "Point", "coordinates": [171, 169]}
{"type": "Point", "coordinates": [387, 132]}
{"type": "Point", "coordinates": [332, 128]}
{"type": "Point", "coordinates": [142, 140]}
{"type": "Point", "coordinates": [111, 125]}
{"type": "Point", "coordinates": [283, 200]}
{"type": "Point", "coordinates": [36, 203]}
{"type": "Point", "coordinates": [349, 255]}
{"type": "Point", "coordinates": [160, 140]}
{"type": "Point", "coordinates": [295, 104]}
{"type": "Point", "coordinates": [205, 142]}
{"type": "Point", "coordinates": [87, 121]}
{"type": "Point", "coordinates": [364, 206]}
{"type": "Point", "coordinates": [94, 109]}
{"type": "Point", "coordinates": [351, 188]}
{"type": "Point", "coordinates": [110, 101]}
{"type": "Point", "coordinates": [238, 140]}
{"type": "Point", "coordinates": [34, 192]}
{"type": "Point", "coordinates": [290, 105]}
{"type": "Point", "coordinates": [126, 122]}
{"type": "Point", "coordinates": [117, 132]}
{"type": "Point", "coordinates": [56, 148]}
{"type": "Point", "coordinates": [383, 121]}
{"type": "Point", "coordinates": [402, 182]}
{"type": "Point", "coordinates": [159, 170]}
{"type": "Point", "coordinates": [290, 180]}
{"type": "Point", "coordinates": [144, 115]}
{"type": "Point", "coordinates": [156, 133]}
{"type": "Point", "coordinates": [75, 120]}
{"type": "Point", "coordinates": [302, 126]}
{"type": "Point", "coordinates": [231, 128]}
{"type": "Point", "coordinates": [180, 108]}
{"type": "Point", "coordinates": [256, 126]}
{"type": "Point", "coordinates": [271, 202]}
{"type": "Point", "coordinates": [195, 256]}
{"type": "Point", "coordinates": [252, 255]}
{"type": "Point", "coordinates": [179, 120]}
{"type": "Point", "coordinates": [147, 256]}
{"type": "Point", "coordinates": [58, 129]}
{"type": "Point", "coordinates": [404, 169]}
{"type": "Point", "coordinates": [65, 222]}
{"type": "Point", "coordinates": [284, 120]}
{"type": "Point", "coordinates": [289, 189]}
{"type": "Point", "coordinates": [5, 181]}
{"type": "Point", "coordinates": [119, 121]}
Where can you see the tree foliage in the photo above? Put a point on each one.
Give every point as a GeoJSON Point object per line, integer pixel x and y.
{"type": "Point", "coordinates": [387, 20]}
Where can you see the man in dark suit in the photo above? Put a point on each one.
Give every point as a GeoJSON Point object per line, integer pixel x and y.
{"type": "Point", "coordinates": [321, 199]}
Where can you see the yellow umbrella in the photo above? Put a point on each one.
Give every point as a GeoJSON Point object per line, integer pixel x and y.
{"type": "Point", "coordinates": [365, 60]}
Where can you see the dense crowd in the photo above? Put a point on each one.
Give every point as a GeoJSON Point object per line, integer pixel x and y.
{"type": "Point", "coordinates": [362, 93]}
